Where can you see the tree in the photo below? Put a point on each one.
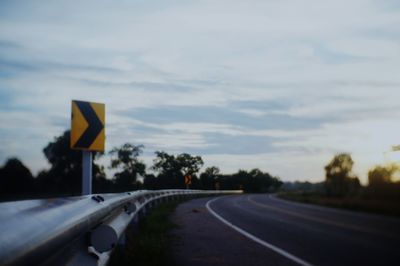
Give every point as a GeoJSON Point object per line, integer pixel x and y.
{"type": "Point", "coordinates": [189, 164]}
{"type": "Point", "coordinates": [65, 175]}
{"type": "Point", "coordinates": [381, 174]}
{"type": "Point", "coordinates": [101, 184]}
{"type": "Point", "coordinates": [16, 181]}
{"type": "Point", "coordinates": [127, 161]}
{"type": "Point", "coordinates": [254, 181]}
{"type": "Point", "coordinates": [208, 177]}
{"type": "Point", "coordinates": [171, 169]}
{"type": "Point", "coordinates": [212, 171]}
{"type": "Point", "coordinates": [339, 179]}
{"type": "Point", "coordinates": [380, 181]}
{"type": "Point", "coordinates": [150, 181]}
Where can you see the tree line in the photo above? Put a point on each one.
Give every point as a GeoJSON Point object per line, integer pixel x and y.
{"type": "Point", "coordinates": [340, 181]}
{"type": "Point", "coordinates": [63, 178]}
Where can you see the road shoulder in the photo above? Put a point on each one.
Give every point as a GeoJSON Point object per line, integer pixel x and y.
{"type": "Point", "coordinates": [200, 239]}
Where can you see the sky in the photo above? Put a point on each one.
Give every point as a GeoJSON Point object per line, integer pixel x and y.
{"type": "Point", "coordinates": [281, 86]}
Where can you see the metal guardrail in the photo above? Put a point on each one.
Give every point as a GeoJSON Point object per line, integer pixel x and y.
{"type": "Point", "coordinates": [79, 230]}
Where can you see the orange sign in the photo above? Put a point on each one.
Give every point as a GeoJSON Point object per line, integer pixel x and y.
{"type": "Point", "coordinates": [188, 179]}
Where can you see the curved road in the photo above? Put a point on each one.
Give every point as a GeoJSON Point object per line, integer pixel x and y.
{"type": "Point", "coordinates": [286, 233]}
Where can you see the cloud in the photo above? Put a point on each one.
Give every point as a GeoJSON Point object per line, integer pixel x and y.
{"type": "Point", "coordinates": [279, 85]}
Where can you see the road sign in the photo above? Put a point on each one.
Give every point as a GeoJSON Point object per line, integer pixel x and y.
{"type": "Point", "coordinates": [87, 126]}
{"type": "Point", "coordinates": [188, 179]}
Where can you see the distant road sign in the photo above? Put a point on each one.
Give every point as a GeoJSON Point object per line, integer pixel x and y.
{"type": "Point", "coordinates": [188, 179]}
{"type": "Point", "coordinates": [87, 126]}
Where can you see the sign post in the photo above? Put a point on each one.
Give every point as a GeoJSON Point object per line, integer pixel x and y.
{"type": "Point", "coordinates": [86, 172]}
{"type": "Point", "coordinates": [87, 134]}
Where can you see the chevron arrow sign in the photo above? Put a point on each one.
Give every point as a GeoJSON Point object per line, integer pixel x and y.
{"type": "Point", "coordinates": [87, 126]}
{"type": "Point", "coordinates": [188, 179]}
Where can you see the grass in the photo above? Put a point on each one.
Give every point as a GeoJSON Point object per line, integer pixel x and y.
{"type": "Point", "coordinates": [354, 203]}
{"type": "Point", "coordinates": [149, 243]}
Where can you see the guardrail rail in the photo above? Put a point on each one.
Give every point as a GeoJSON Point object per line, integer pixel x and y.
{"type": "Point", "coordinates": [79, 230]}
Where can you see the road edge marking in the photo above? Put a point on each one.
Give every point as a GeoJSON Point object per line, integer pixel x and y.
{"type": "Point", "coordinates": [256, 239]}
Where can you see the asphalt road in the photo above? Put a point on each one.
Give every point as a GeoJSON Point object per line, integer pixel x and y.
{"type": "Point", "coordinates": [263, 230]}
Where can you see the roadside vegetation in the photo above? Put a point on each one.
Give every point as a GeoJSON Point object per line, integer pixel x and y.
{"type": "Point", "coordinates": [149, 243]}
{"type": "Point", "coordinates": [342, 189]}
{"type": "Point", "coordinates": [63, 178]}
{"type": "Point", "coordinates": [130, 173]}
{"type": "Point", "coordinates": [355, 203]}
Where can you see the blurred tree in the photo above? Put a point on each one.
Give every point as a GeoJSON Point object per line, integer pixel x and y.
{"type": "Point", "coordinates": [150, 181]}
{"type": "Point", "coordinates": [254, 181]}
{"type": "Point", "coordinates": [65, 175]}
{"type": "Point", "coordinates": [171, 169]}
{"type": "Point", "coordinates": [16, 181]}
{"type": "Point", "coordinates": [304, 186]}
{"type": "Point", "coordinates": [208, 177]}
{"type": "Point", "coordinates": [189, 164]}
{"type": "Point", "coordinates": [101, 184]}
{"type": "Point", "coordinates": [380, 181]}
{"type": "Point", "coordinates": [381, 174]}
{"type": "Point", "coordinates": [258, 181]}
{"type": "Point", "coordinates": [127, 160]}
{"type": "Point", "coordinates": [339, 179]}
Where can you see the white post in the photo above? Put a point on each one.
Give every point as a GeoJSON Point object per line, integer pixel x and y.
{"type": "Point", "coordinates": [86, 172]}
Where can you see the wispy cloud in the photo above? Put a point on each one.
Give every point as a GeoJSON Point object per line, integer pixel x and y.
{"type": "Point", "coordinates": [280, 85]}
